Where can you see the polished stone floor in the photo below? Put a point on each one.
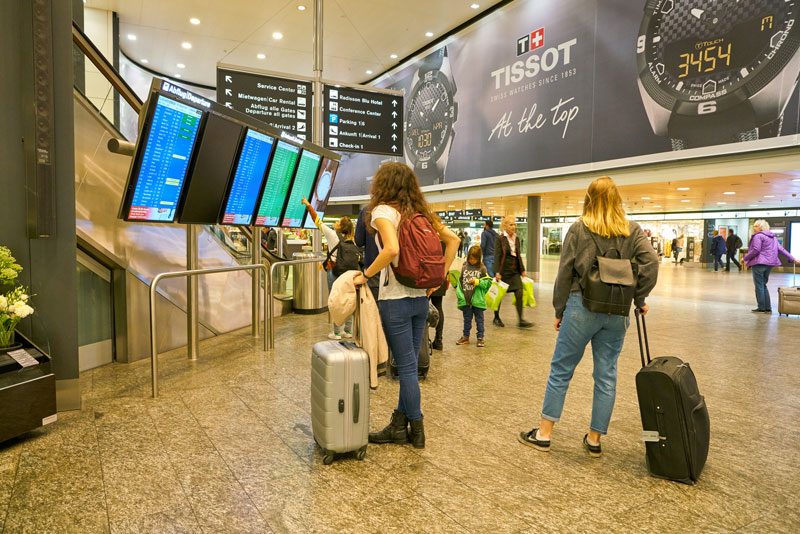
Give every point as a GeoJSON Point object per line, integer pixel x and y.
{"type": "Point", "coordinates": [227, 446]}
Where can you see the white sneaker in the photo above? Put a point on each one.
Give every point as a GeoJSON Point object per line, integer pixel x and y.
{"type": "Point", "coordinates": [347, 335]}
{"type": "Point", "coordinates": [335, 336]}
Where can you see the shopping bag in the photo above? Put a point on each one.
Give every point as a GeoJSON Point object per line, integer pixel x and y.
{"type": "Point", "coordinates": [453, 277]}
{"type": "Point", "coordinates": [528, 300]}
{"type": "Point", "coordinates": [495, 294]}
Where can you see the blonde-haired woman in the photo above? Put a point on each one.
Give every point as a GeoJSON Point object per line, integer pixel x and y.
{"type": "Point", "coordinates": [509, 267]}
{"type": "Point", "coordinates": [603, 224]}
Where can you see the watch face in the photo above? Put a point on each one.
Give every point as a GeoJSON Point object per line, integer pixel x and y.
{"type": "Point", "coordinates": [429, 117]}
{"type": "Point", "coordinates": [708, 55]}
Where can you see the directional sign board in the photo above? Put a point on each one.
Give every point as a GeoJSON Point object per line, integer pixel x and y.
{"type": "Point", "coordinates": [363, 121]}
{"type": "Point", "coordinates": [282, 103]}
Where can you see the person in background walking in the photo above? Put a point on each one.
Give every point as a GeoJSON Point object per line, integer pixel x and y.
{"type": "Point", "coordinates": [761, 257]}
{"type": "Point", "coordinates": [603, 221]}
{"type": "Point", "coordinates": [460, 235]}
{"type": "Point", "coordinates": [718, 249]}
{"type": "Point", "coordinates": [509, 267]}
{"type": "Point", "coordinates": [465, 241]}
{"type": "Point", "coordinates": [471, 290]}
{"type": "Point", "coordinates": [733, 244]}
{"type": "Point", "coordinates": [488, 241]}
{"type": "Point", "coordinates": [436, 300]}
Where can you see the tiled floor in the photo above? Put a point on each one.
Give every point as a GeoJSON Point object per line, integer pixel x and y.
{"type": "Point", "coordinates": [228, 447]}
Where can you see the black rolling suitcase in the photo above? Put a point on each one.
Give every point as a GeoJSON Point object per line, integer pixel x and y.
{"type": "Point", "coordinates": [675, 424]}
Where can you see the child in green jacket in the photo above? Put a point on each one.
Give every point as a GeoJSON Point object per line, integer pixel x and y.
{"type": "Point", "coordinates": [471, 289]}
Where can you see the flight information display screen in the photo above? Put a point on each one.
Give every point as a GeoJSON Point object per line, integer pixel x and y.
{"type": "Point", "coordinates": [322, 192]}
{"type": "Point", "coordinates": [279, 177]}
{"type": "Point", "coordinates": [302, 185]}
{"type": "Point", "coordinates": [165, 161]}
{"type": "Point", "coordinates": [251, 166]}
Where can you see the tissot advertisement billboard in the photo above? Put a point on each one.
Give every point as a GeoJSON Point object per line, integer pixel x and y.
{"type": "Point", "coordinates": [574, 85]}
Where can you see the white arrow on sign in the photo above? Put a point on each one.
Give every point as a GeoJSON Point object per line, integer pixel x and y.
{"type": "Point", "coordinates": [228, 105]}
{"type": "Point", "coordinates": [228, 79]}
{"type": "Point", "coordinates": [394, 103]}
{"type": "Point", "coordinates": [394, 148]}
{"type": "Point", "coordinates": [394, 137]}
{"type": "Point", "coordinates": [394, 114]}
{"type": "Point", "coordinates": [394, 126]}
{"type": "Point", "coordinates": [228, 92]}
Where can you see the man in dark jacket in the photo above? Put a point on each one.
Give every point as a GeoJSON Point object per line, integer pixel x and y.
{"type": "Point", "coordinates": [733, 244]}
{"type": "Point", "coordinates": [488, 240]}
{"type": "Point", "coordinates": [718, 249]}
{"type": "Point", "coordinates": [367, 244]}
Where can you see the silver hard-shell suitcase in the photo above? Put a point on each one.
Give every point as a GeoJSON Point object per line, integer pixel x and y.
{"type": "Point", "coordinates": [789, 298]}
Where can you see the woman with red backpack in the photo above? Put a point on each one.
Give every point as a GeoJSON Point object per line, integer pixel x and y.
{"type": "Point", "coordinates": [411, 266]}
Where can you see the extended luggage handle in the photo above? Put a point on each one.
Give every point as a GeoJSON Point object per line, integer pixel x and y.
{"type": "Point", "coordinates": [641, 326]}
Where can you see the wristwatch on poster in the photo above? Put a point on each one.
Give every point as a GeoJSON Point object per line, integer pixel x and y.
{"type": "Point", "coordinates": [429, 116]}
{"type": "Point", "coordinates": [717, 71]}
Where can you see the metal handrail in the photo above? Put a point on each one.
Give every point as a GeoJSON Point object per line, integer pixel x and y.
{"type": "Point", "coordinates": [269, 330]}
{"type": "Point", "coordinates": [195, 272]}
{"type": "Point", "coordinates": [105, 67]}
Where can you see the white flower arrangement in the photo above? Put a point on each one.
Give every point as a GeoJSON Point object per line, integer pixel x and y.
{"type": "Point", "coordinates": [13, 303]}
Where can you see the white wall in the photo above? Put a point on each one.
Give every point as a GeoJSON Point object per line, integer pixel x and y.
{"type": "Point", "coordinates": [99, 27]}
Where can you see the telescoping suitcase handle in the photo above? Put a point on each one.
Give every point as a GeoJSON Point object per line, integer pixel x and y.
{"type": "Point", "coordinates": [641, 329]}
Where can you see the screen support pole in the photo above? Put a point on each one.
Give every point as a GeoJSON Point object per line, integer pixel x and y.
{"type": "Point", "coordinates": [316, 238]}
{"type": "Point", "coordinates": [256, 295]}
{"type": "Point", "coordinates": [191, 292]}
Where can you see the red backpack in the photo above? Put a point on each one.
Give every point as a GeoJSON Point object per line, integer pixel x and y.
{"type": "Point", "coordinates": [420, 263]}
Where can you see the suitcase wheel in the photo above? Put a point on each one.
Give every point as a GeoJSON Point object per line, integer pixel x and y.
{"type": "Point", "coordinates": [328, 458]}
{"type": "Point", "coordinates": [361, 453]}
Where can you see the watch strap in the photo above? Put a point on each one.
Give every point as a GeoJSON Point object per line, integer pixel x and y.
{"type": "Point", "coordinates": [732, 126]}
{"type": "Point", "coordinates": [433, 61]}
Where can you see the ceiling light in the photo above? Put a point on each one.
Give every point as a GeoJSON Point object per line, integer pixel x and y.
{"type": "Point", "coordinates": [428, 34]}
{"type": "Point", "coordinates": [131, 37]}
{"type": "Point", "coordinates": [369, 72]}
{"type": "Point", "coordinates": [685, 200]}
{"type": "Point", "coordinates": [181, 66]}
{"type": "Point", "coordinates": [261, 55]}
{"type": "Point", "coordinates": [177, 75]}
{"type": "Point", "coordinates": [683, 189]}
{"type": "Point", "coordinates": [721, 203]}
{"type": "Point", "coordinates": [729, 193]}
{"type": "Point", "coordinates": [796, 180]}
{"type": "Point", "coordinates": [656, 205]}
{"type": "Point", "coordinates": [474, 6]}
{"type": "Point", "coordinates": [489, 202]}
{"type": "Point", "coordinates": [277, 36]}
{"type": "Point", "coordinates": [769, 196]}
{"type": "Point", "coordinates": [570, 207]}
{"type": "Point", "coordinates": [194, 21]}
{"type": "Point", "coordinates": [301, 7]}
{"type": "Point", "coordinates": [144, 61]}
{"type": "Point", "coordinates": [186, 45]}
{"type": "Point", "coordinates": [393, 56]}
{"type": "Point", "coordinates": [645, 198]}
{"type": "Point", "coordinates": [451, 205]}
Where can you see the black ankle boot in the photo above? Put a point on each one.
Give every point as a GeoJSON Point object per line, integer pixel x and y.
{"type": "Point", "coordinates": [416, 434]}
{"type": "Point", "coordinates": [395, 432]}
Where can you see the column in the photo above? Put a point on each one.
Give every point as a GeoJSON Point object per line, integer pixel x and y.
{"type": "Point", "coordinates": [534, 248]}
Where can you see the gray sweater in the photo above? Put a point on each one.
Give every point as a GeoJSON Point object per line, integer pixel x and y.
{"type": "Point", "coordinates": [579, 252]}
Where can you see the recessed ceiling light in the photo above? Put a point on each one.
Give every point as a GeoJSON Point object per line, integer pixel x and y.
{"type": "Point", "coordinates": [645, 198]}
{"type": "Point", "coordinates": [301, 7]}
{"type": "Point", "coordinates": [131, 37]}
{"type": "Point", "coordinates": [428, 34]}
{"type": "Point", "coordinates": [144, 61]}
{"type": "Point", "coordinates": [474, 6]}
{"type": "Point", "coordinates": [186, 45]}
{"type": "Point", "coordinates": [685, 200]}
{"type": "Point", "coordinates": [683, 189]}
{"type": "Point", "coordinates": [769, 196]}
{"type": "Point", "coordinates": [177, 75]}
{"type": "Point", "coordinates": [729, 193]}
{"type": "Point", "coordinates": [393, 56]}
{"type": "Point", "coordinates": [570, 207]}
{"type": "Point", "coordinates": [581, 201]}
{"type": "Point", "coordinates": [656, 205]}
{"type": "Point", "coordinates": [369, 72]}
{"type": "Point", "coordinates": [261, 55]}
{"type": "Point", "coordinates": [489, 202]}
{"type": "Point", "coordinates": [277, 36]}
{"type": "Point", "coordinates": [721, 203]}
{"type": "Point", "coordinates": [181, 66]}
{"type": "Point", "coordinates": [451, 205]}
{"type": "Point", "coordinates": [753, 205]}
{"type": "Point", "coordinates": [194, 21]}
{"type": "Point", "coordinates": [796, 180]}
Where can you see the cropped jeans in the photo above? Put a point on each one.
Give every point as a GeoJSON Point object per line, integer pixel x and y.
{"type": "Point", "coordinates": [760, 279]}
{"type": "Point", "coordinates": [606, 333]}
{"type": "Point", "coordinates": [404, 322]}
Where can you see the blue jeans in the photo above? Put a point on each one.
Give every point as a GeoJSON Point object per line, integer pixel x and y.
{"type": "Point", "coordinates": [470, 312]}
{"type": "Point", "coordinates": [404, 322]}
{"type": "Point", "coordinates": [760, 279]}
{"type": "Point", "coordinates": [489, 263]}
{"type": "Point", "coordinates": [718, 261]}
{"type": "Point", "coordinates": [607, 334]}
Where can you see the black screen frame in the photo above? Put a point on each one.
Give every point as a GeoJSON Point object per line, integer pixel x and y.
{"type": "Point", "coordinates": [316, 181]}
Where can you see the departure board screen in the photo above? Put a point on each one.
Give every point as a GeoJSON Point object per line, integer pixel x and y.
{"type": "Point", "coordinates": [303, 182]}
{"type": "Point", "coordinates": [279, 177]}
{"type": "Point", "coordinates": [165, 161]}
{"type": "Point", "coordinates": [322, 191]}
{"type": "Point", "coordinates": [248, 178]}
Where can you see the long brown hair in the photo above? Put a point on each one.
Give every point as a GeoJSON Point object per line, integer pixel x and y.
{"type": "Point", "coordinates": [602, 209]}
{"type": "Point", "coordinates": [396, 184]}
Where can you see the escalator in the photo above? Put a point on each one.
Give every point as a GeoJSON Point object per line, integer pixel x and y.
{"type": "Point", "coordinates": [134, 253]}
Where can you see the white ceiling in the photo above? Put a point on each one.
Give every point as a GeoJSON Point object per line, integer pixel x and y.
{"type": "Point", "coordinates": [359, 35]}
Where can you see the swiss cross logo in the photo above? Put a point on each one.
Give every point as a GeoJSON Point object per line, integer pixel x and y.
{"type": "Point", "coordinates": [530, 42]}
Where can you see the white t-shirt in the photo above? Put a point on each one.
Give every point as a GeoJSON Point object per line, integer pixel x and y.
{"type": "Point", "coordinates": [393, 289]}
